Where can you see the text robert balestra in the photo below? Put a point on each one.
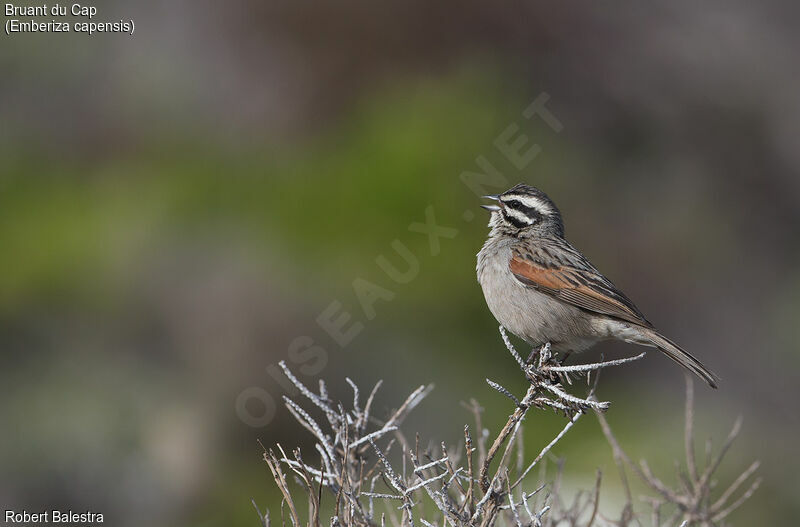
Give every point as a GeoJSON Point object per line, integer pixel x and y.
{"type": "Point", "coordinates": [52, 516]}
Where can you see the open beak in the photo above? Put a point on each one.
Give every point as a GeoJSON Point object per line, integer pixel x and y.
{"type": "Point", "coordinates": [492, 208]}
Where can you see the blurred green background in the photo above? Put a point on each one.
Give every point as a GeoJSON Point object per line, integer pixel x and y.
{"type": "Point", "coordinates": [177, 207]}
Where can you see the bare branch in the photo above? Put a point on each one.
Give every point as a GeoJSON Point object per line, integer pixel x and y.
{"type": "Point", "coordinates": [511, 349]}
{"type": "Point", "coordinates": [735, 485]}
{"type": "Point", "coordinates": [503, 391]}
{"type": "Point", "coordinates": [442, 490]}
{"type": "Point", "coordinates": [581, 368]}
{"type": "Point", "coordinates": [691, 465]}
{"type": "Point", "coordinates": [547, 449]}
{"type": "Point", "coordinates": [744, 497]}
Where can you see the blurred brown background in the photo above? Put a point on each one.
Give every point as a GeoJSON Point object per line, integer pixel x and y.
{"type": "Point", "coordinates": [177, 207]}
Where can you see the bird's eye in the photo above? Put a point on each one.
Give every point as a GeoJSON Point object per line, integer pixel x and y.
{"type": "Point", "coordinates": [520, 213]}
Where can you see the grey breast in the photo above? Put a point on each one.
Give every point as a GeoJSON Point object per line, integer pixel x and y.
{"type": "Point", "coordinates": [533, 316]}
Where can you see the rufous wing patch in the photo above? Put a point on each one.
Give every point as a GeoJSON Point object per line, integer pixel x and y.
{"type": "Point", "coordinates": [579, 288]}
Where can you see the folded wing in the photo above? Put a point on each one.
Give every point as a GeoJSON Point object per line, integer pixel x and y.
{"type": "Point", "coordinates": [580, 285]}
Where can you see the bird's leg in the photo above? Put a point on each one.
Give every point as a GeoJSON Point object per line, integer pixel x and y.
{"type": "Point", "coordinates": [564, 358]}
{"type": "Point", "coordinates": [532, 356]}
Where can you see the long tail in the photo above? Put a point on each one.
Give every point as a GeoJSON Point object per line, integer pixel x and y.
{"type": "Point", "coordinates": [674, 352]}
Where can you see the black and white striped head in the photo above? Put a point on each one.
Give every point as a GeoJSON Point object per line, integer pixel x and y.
{"type": "Point", "coordinates": [524, 208]}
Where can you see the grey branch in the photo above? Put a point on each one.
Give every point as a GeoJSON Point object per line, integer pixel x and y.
{"type": "Point", "coordinates": [356, 480]}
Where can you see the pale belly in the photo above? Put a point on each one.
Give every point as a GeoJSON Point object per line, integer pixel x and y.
{"type": "Point", "coordinates": [535, 317]}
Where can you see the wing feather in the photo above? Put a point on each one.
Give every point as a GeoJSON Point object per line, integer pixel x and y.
{"type": "Point", "coordinates": [580, 285]}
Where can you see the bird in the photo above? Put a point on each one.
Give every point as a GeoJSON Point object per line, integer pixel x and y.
{"type": "Point", "coordinates": [543, 290]}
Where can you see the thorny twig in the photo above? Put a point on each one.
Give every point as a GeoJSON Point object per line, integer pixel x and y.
{"type": "Point", "coordinates": [691, 498]}
{"type": "Point", "coordinates": [479, 491]}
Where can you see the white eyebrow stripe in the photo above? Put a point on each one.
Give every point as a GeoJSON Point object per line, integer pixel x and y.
{"type": "Point", "coordinates": [520, 216]}
{"type": "Point", "coordinates": [531, 202]}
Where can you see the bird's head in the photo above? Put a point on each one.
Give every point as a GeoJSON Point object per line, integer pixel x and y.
{"type": "Point", "coordinates": [524, 209]}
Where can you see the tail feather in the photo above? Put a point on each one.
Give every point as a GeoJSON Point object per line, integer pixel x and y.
{"type": "Point", "coordinates": [685, 359]}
